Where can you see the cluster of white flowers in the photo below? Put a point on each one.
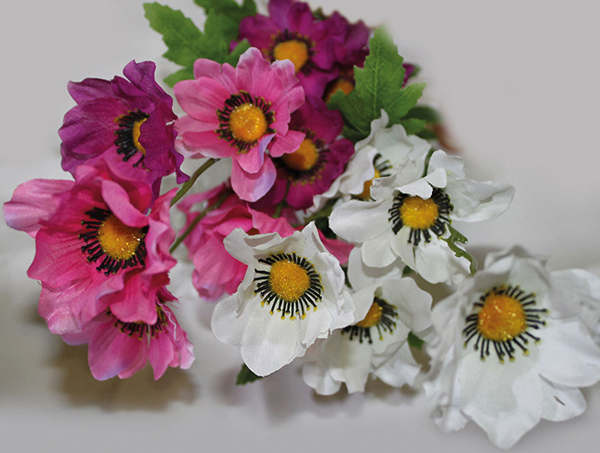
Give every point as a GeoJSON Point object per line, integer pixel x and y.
{"type": "Point", "coordinates": [510, 346]}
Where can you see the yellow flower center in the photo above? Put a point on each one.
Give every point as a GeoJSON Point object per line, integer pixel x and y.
{"type": "Point", "coordinates": [118, 240]}
{"type": "Point", "coordinates": [304, 158]}
{"type": "Point", "coordinates": [373, 316]}
{"type": "Point", "coordinates": [340, 84]}
{"type": "Point", "coordinates": [289, 280]}
{"type": "Point", "coordinates": [501, 318]}
{"type": "Point", "coordinates": [294, 50]}
{"type": "Point", "coordinates": [366, 193]}
{"type": "Point", "coordinates": [135, 135]}
{"type": "Point", "coordinates": [419, 214]}
{"type": "Point", "coordinates": [247, 123]}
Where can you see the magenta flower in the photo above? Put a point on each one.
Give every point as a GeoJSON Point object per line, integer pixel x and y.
{"type": "Point", "coordinates": [321, 158]}
{"type": "Point", "coordinates": [128, 121]}
{"type": "Point", "coordinates": [96, 246]}
{"type": "Point", "coordinates": [237, 113]}
{"type": "Point", "coordinates": [215, 271]}
{"type": "Point", "coordinates": [291, 32]}
{"type": "Point", "coordinates": [119, 348]}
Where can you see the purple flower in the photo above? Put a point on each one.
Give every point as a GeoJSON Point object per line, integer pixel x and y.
{"type": "Point", "coordinates": [314, 46]}
{"type": "Point", "coordinates": [127, 121]}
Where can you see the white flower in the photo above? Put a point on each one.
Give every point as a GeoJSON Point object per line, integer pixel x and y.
{"type": "Point", "coordinates": [410, 216]}
{"type": "Point", "coordinates": [376, 156]}
{"type": "Point", "coordinates": [510, 350]}
{"type": "Point", "coordinates": [377, 345]}
{"type": "Point", "coordinates": [292, 294]}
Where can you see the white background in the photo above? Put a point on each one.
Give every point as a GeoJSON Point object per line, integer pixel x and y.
{"type": "Point", "coordinates": [518, 81]}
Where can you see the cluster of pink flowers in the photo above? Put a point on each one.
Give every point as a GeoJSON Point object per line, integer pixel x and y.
{"type": "Point", "coordinates": [102, 239]}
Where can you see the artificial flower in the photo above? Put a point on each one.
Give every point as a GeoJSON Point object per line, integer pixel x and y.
{"type": "Point", "coordinates": [376, 156]}
{"type": "Point", "coordinates": [96, 246]}
{"type": "Point", "coordinates": [239, 113]}
{"type": "Point", "coordinates": [292, 294]}
{"type": "Point", "coordinates": [292, 32]}
{"type": "Point", "coordinates": [215, 271]}
{"type": "Point", "coordinates": [127, 121]}
{"type": "Point", "coordinates": [118, 348]}
{"type": "Point", "coordinates": [321, 158]}
{"type": "Point", "coordinates": [377, 345]}
{"type": "Point", "coordinates": [410, 216]}
{"type": "Point", "coordinates": [510, 350]}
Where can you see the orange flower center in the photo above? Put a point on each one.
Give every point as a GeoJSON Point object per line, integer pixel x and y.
{"type": "Point", "coordinates": [501, 318]}
{"type": "Point", "coordinates": [294, 50]}
{"type": "Point", "coordinates": [340, 84]}
{"type": "Point", "coordinates": [418, 213]}
{"type": "Point", "coordinates": [289, 280]}
{"type": "Point", "coordinates": [304, 158]}
{"type": "Point", "coordinates": [373, 316]}
{"type": "Point", "coordinates": [247, 123]}
{"type": "Point", "coordinates": [366, 193]}
{"type": "Point", "coordinates": [135, 135]}
{"type": "Point", "coordinates": [118, 240]}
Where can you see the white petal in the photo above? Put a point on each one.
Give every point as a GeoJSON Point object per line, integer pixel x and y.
{"type": "Point", "coordinates": [401, 368]}
{"type": "Point", "coordinates": [568, 355]}
{"type": "Point", "coordinates": [582, 296]}
{"type": "Point", "coordinates": [377, 252]}
{"type": "Point", "coordinates": [450, 164]}
{"type": "Point", "coordinates": [413, 304]}
{"type": "Point", "coordinates": [227, 324]}
{"type": "Point", "coordinates": [476, 201]}
{"type": "Point", "coordinates": [358, 221]}
{"type": "Point", "coordinates": [436, 263]}
{"type": "Point", "coordinates": [561, 403]}
{"type": "Point", "coordinates": [505, 400]}
{"type": "Point", "coordinates": [269, 342]}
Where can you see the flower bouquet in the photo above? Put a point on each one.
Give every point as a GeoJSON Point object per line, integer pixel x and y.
{"type": "Point", "coordinates": [337, 220]}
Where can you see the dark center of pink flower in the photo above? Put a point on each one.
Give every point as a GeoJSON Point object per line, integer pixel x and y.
{"type": "Point", "coordinates": [120, 245]}
{"type": "Point", "coordinates": [244, 120]}
{"type": "Point", "coordinates": [128, 135]}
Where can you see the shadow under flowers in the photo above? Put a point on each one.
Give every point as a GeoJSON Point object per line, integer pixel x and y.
{"type": "Point", "coordinates": [139, 392]}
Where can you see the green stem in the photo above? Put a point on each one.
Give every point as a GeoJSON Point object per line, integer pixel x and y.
{"type": "Point", "coordinates": [456, 236]}
{"type": "Point", "coordinates": [189, 183]}
{"type": "Point", "coordinates": [195, 222]}
{"type": "Point", "coordinates": [427, 159]}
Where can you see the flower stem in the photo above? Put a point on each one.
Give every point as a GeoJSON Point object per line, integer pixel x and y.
{"type": "Point", "coordinates": [456, 236]}
{"type": "Point", "coordinates": [197, 220]}
{"type": "Point", "coordinates": [190, 182]}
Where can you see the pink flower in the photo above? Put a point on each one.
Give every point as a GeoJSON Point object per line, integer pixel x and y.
{"type": "Point", "coordinates": [292, 32]}
{"type": "Point", "coordinates": [215, 271]}
{"type": "Point", "coordinates": [128, 121]}
{"type": "Point", "coordinates": [321, 158]}
{"type": "Point", "coordinates": [237, 113]}
{"type": "Point", "coordinates": [119, 348]}
{"type": "Point", "coordinates": [96, 246]}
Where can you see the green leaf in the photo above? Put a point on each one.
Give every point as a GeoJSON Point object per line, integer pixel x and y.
{"type": "Point", "coordinates": [246, 376]}
{"type": "Point", "coordinates": [236, 53]}
{"type": "Point", "coordinates": [186, 43]}
{"type": "Point", "coordinates": [224, 16]}
{"type": "Point", "coordinates": [413, 125]}
{"type": "Point", "coordinates": [178, 76]}
{"type": "Point", "coordinates": [377, 86]}
{"type": "Point", "coordinates": [427, 134]}
{"type": "Point", "coordinates": [181, 36]}
{"type": "Point", "coordinates": [415, 341]}
{"type": "Point", "coordinates": [424, 112]}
